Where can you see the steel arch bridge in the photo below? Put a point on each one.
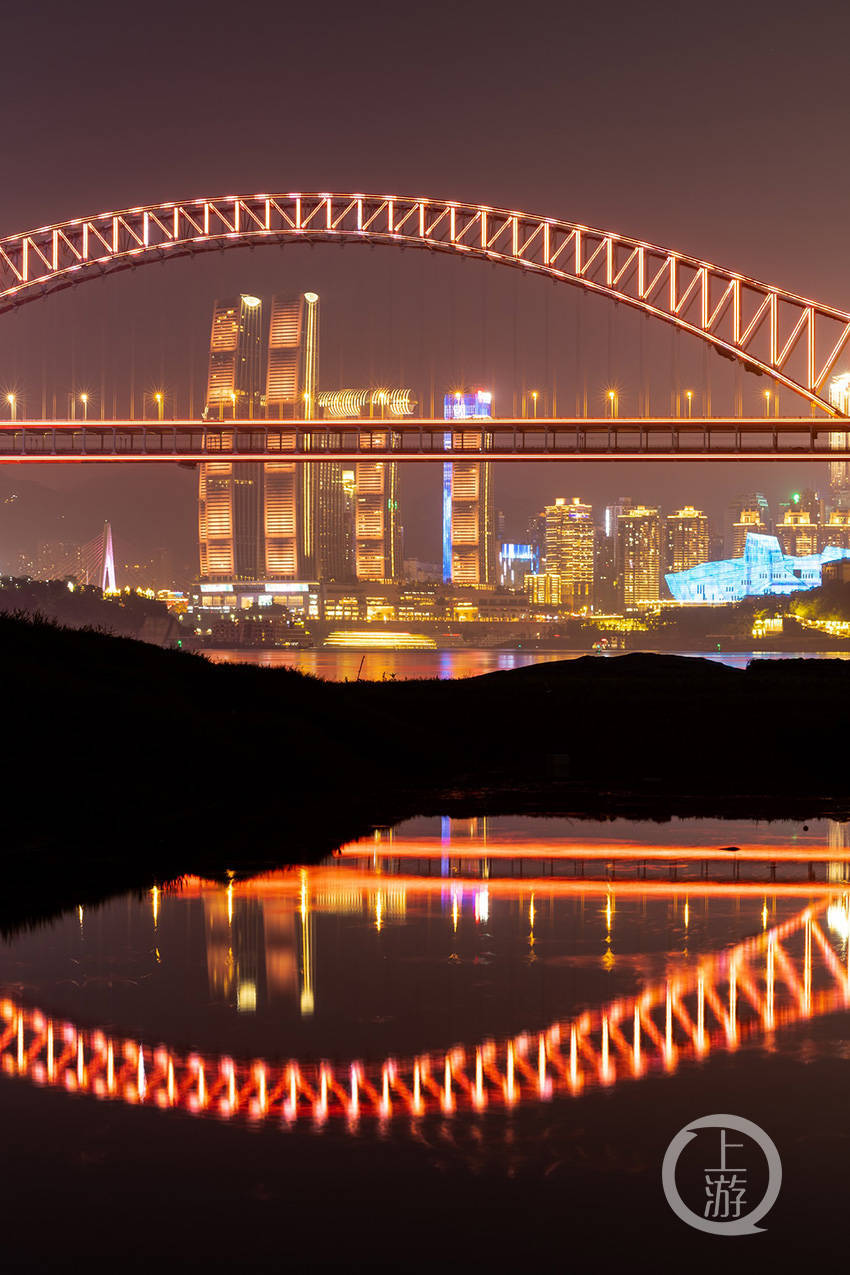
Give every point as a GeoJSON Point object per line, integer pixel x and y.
{"type": "Point", "coordinates": [794, 340]}
{"type": "Point", "coordinates": [716, 1003]}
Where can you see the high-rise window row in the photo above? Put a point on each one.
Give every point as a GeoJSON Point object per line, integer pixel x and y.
{"type": "Point", "coordinates": [469, 536]}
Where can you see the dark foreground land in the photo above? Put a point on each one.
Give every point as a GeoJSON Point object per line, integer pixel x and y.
{"type": "Point", "coordinates": [125, 764]}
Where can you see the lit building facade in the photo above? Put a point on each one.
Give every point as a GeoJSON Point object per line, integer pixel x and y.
{"type": "Point", "coordinates": [377, 530]}
{"type": "Point", "coordinates": [230, 496]}
{"type": "Point", "coordinates": [763, 569]}
{"type": "Point", "coordinates": [515, 563]}
{"type": "Point", "coordinates": [469, 534]}
{"type": "Point", "coordinates": [798, 533]}
{"type": "Point", "coordinates": [543, 589]}
{"type": "Point", "coordinates": [686, 539]}
{"type": "Point", "coordinates": [839, 470]}
{"type": "Point", "coordinates": [290, 488]}
{"type": "Point", "coordinates": [836, 530]}
{"type": "Point", "coordinates": [639, 554]}
{"type": "Point", "coordinates": [378, 550]}
{"type": "Point", "coordinates": [282, 520]}
{"type": "Point", "coordinates": [570, 539]}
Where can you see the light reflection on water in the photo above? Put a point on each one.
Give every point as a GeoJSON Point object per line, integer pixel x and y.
{"type": "Point", "coordinates": [376, 666]}
{"type": "Point", "coordinates": [445, 968]}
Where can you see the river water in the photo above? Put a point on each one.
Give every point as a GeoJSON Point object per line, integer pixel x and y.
{"type": "Point", "coordinates": [338, 666]}
{"type": "Point", "coordinates": [457, 1042]}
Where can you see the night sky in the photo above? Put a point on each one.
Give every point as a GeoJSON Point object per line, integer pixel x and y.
{"type": "Point", "coordinates": [719, 130]}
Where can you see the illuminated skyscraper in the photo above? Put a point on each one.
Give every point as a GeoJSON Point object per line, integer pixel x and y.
{"type": "Point", "coordinates": [686, 539]}
{"type": "Point", "coordinates": [639, 535]}
{"type": "Point", "coordinates": [469, 539]}
{"type": "Point", "coordinates": [839, 470]}
{"type": "Point", "coordinates": [569, 550]}
{"type": "Point", "coordinates": [377, 529]}
{"type": "Point", "coordinates": [291, 489]}
{"type": "Point", "coordinates": [230, 497]}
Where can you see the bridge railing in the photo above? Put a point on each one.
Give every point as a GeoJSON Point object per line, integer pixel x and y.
{"type": "Point", "coordinates": [423, 439]}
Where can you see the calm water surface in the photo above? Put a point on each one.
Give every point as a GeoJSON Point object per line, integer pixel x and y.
{"type": "Point", "coordinates": [458, 1039]}
{"type": "Point", "coordinates": [338, 666]}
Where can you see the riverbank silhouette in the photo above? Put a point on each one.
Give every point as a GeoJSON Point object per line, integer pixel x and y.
{"type": "Point", "coordinates": [127, 764]}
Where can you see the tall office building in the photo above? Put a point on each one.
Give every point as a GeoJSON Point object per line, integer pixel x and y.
{"type": "Point", "coordinates": [686, 539]}
{"type": "Point", "coordinates": [377, 529]}
{"type": "Point", "coordinates": [291, 488]}
{"type": "Point", "coordinates": [570, 550]}
{"type": "Point", "coordinates": [469, 534]}
{"type": "Point", "coordinates": [798, 533]}
{"type": "Point", "coordinates": [230, 497]}
{"type": "Point", "coordinates": [639, 551]}
{"type": "Point", "coordinates": [839, 470]}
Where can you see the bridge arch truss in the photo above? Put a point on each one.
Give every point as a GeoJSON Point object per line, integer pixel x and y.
{"type": "Point", "coordinates": [794, 340]}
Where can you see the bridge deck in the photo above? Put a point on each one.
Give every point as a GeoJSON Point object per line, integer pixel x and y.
{"type": "Point", "coordinates": [511, 438]}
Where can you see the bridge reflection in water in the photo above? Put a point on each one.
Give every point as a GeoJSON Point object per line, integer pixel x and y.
{"type": "Point", "coordinates": [792, 971]}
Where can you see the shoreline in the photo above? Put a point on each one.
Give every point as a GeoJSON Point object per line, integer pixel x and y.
{"type": "Point", "coordinates": [130, 765]}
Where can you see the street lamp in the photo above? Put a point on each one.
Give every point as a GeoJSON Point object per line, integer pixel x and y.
{"type": "Point", "coordinates": [159, 399]}
{"type": "Point", "coordinates": [689, 395]}
{"type": "Point", "coordinates": [13, 406]}
{"type": "Point", "coordinates": [612, 400]}
{"type": "Point", "coordinates": [233, 404]}
{"type": "Point", "coordinates": [534, 401]}
{"type": "Point", "coordinates": [767, 402]}
{"type": "Point", "coordinates": [84, 399]}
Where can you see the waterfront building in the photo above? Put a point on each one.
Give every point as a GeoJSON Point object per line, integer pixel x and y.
{"type": "Point", "coordinates": [570, 550]}
{"type": "Point", "coordinates": [230, 496]}
{"type": "Point", "coordinates": [639, 552]}
{"type": "Point", "coordinates": [686, 539]}
{"type": "Point", "coordinates": [469, 538]}
{"type": "Point", "coordinates": [837, 572]}
{"type": "Point", "coordinates": [543, 588]}
{"type": "Point", "coordinates": [763, 569]}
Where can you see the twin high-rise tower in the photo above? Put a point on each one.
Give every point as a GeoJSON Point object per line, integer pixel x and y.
{"type": "Point", "coordinates": [277, 520]}
{"type": "Point", "coordinates": [285, 520]}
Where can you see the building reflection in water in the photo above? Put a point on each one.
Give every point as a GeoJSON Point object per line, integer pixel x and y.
{"type": "Point", "coordinates": [260, 936]}
{"type": "Point", "coordinates": [261, 947]}
{"type": "Point", "coordinates": [797, 970]}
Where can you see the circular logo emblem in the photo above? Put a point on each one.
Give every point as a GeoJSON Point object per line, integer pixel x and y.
{"type": "Point", "coordinates": [729, 1175]}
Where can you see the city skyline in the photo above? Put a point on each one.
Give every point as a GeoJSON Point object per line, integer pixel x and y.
{"type": "Point", "coordinates": [434, 426]}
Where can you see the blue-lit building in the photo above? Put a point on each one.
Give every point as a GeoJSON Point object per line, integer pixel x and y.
{"type": "Point", "coordinates": [468, 515]}
{"type": "Point", "coordinates": [763, 570]}
{"type": "Point", "coordinates": [515, 563]}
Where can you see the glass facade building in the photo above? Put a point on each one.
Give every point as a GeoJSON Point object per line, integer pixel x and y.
{"type": "Point", "coordinates": [763, 570]}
